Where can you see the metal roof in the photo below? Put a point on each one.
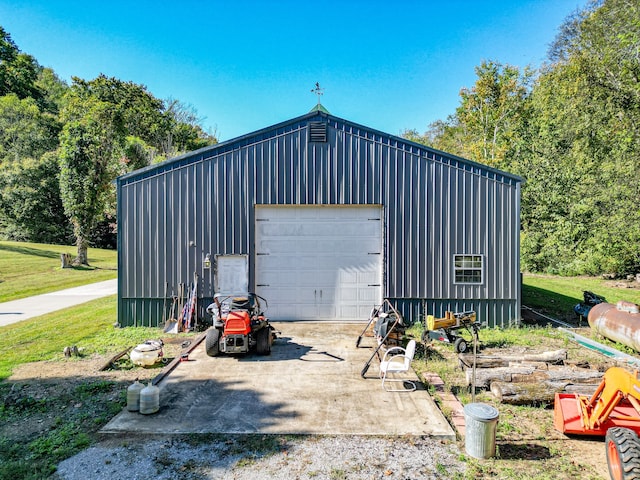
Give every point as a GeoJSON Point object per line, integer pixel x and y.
{"type": "Point", "coordinates": [318, 113]}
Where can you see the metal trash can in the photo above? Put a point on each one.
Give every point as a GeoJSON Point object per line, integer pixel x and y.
{"type": "Point", "coordinates": [480, 430]}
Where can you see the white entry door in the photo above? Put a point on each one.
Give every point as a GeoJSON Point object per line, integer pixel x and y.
{"type": "Point", "coordinates": [232, 274]}
{"type": "Point", "coordinates": [319, 262]}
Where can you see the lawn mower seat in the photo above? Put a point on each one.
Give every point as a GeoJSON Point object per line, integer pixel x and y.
{"type": "Point", "coordinates": [241, 303]}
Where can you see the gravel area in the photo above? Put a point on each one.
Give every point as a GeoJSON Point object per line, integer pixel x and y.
{"type": "Point", "coordinates": [265, 457]}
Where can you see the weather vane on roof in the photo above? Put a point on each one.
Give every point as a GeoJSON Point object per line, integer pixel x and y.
{"type": "Point", "coordinates": [318, 91]}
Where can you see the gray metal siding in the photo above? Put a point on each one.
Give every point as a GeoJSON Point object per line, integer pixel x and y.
{"type": "Point", "coordinates": [434, 205]}
{"type": "Point", "coordinates": [494, 313]}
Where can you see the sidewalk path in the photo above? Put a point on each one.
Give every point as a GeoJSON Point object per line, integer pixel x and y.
{"type": "Point", "coordinates": [18, 310]}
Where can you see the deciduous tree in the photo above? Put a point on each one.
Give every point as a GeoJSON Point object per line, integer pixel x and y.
{"type": "Point", "coordinates": [92, 143]}
{"type": "Point", "coordinates": [18, 71]}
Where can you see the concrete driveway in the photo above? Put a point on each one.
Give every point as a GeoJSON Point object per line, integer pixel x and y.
{"type": "Point", "coordinates": [310, 384]}
{"type": "Point", "coordinates": [18, 310]}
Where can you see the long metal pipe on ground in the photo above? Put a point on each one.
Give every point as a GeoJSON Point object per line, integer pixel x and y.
{"type": "Point", "coordinates": [619, 323]}
{"type": "Point", "coordinates": [602, 349]}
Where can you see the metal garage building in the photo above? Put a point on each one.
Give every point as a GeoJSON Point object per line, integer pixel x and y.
{"type": "Point", "coordinates": [323, 218]}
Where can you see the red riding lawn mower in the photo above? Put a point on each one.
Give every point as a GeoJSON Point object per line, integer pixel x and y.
{"type": "Point", "coordinates": [239, 326]}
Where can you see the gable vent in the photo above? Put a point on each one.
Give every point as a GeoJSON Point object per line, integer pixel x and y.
{"type": "Point", "coordinates": [317, 132]}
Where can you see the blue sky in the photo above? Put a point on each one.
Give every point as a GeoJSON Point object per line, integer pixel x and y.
{"type": "Point", "coordinates": [245, 65]}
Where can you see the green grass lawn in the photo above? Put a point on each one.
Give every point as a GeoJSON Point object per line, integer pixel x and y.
{"type": "Point", "coordinates": [28, 269]}
{"type": "Point", "coordinates": [556, 296]}
{"type": "Point", "coordinates": [89, 326]}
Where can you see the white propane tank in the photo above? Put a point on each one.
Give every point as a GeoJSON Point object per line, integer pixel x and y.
{"type": "Point", "coordinates": [147, 353]}
{"type": "Point", "coordinates": [149, 399]}
{"type": "Point", "coordinates": [133, 396]}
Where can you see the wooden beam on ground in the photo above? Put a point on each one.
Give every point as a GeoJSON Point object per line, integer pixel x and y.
{"type": "Point", "coordinates": [115, 358]}
{"type": "Point", "coordinates": [489, 361]}
{"type": "Point", "coordinates": [485, 376]}
{"type": "Point", "coordinates": [526, 393]}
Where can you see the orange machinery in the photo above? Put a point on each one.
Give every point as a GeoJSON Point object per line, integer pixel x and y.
{"type": "Point", "coordinates": [613, 410]}
{"type": "Point", "coordinates": [614, 404]}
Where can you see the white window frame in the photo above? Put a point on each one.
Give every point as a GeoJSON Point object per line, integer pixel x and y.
{"type": "Point", "coordinates": [468, 262]}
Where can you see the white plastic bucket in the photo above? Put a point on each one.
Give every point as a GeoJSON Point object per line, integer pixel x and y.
{"type": "Point", "coordinates": [147, 353]}
{"type": "Point", "coordinates": [480, 421]}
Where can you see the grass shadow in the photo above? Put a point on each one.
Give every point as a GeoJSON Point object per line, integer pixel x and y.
{"type": "Point", "coordinates": [91, 268]}
{"type": "Point", "coordinates": [30, 251]}
{"type": "Point", "coordinates": [519, 451]}
{"type": "Point", "coordinates": [551, 303]}
{"type": "Point", "coordinates": [36, 252]}
{"type": "Point", "coordinates": [427, 353]}
{"type": "Point", "coordinates": [83, 268]}
{"type": "Point", "coordinates": [498, 343]}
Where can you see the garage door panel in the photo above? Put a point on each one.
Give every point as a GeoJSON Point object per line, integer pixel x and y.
{"type": "Point", "coordinates": [292, 261]}
{"type": "Point", "coordinates": [327, 311]}
{"type": "Point", "coordinates": [323, 278]}
{"type": "Point", "coordinates": [369, 228]}
{"type": "Point", "coordinates": [367, 296]}
{"type": "Point", "coordinates": [331, 263]}
{"type": "Point", "coordinates": [302, 312]}
{"type": "Point", "coordinates": [281, 278]}
{"type": "Point", "coordinates": [305, 279]}
{"type": "Point", "coordinates": [349, 295]}
{"type": "Point", "coordinates": [366, 247]}
{"type": "Point", "coordinates": [350, 311]}
{"type": "Point", "coordinates": [368, 278]}
{"type": "Point", "coordinates": [348, 277]}
{"type": "Point", "coordinates": [269, 263]}
{"type": "Point", "coordinates": [273, 247]}
{"type": "Point", "coordinates": [328, 247]}
{"type": "Point", "coordinates": [326, 295]}
{"type": "Point", "coordinates": [280, 229]}
{"type": "Point", "coordinates": [319, 264]}
{"type": "Point", "coordinates": [304, 296]}
{"type": "Point", "coordinates": [370, 245]}
{"type": "Point", "coordinates": [300, 262]}
{"type": "Point", "coordinates": [272, 272]}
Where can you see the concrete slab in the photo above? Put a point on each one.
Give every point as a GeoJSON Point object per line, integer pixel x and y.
{"type": "Point", "coordinates": [310, 384]}
{"type": "Point", "coordinates": [18, 310]}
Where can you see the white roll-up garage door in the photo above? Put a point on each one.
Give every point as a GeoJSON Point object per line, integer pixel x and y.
{"type": "Point", "coordinates": [319, 262]}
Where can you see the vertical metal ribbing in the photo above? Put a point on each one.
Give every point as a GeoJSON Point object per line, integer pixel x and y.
{"type": "Point", "coordinates": [433, 207]}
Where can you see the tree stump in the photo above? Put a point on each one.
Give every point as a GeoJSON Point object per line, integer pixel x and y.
{"type": "Point", "coordinates": [65, 260]}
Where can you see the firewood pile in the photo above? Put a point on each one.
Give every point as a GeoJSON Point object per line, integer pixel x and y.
{"type": "Point", "coordinates": [529, 378]}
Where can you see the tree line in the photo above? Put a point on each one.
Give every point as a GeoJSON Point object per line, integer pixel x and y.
{"type": "Point", "coordinates": [571, 129]}
{"type": "Point", "coordinates": [61, 147]}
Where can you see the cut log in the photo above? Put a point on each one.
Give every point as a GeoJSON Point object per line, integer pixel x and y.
{"type": "Point", "coordinates": [489, 361]}
{"type": "Point", "coordinates": [586, 389]}
{"type": "Point", "coordinates": [485, 376]}
{"type": "Point", "coordinates": [536, 365]}
{"type": "Point", "coordinates": [533, 393]}
{"type": "Point", "coordinates": [578, 363]}
{"type": "Point", "coordinates": [584, 376]}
